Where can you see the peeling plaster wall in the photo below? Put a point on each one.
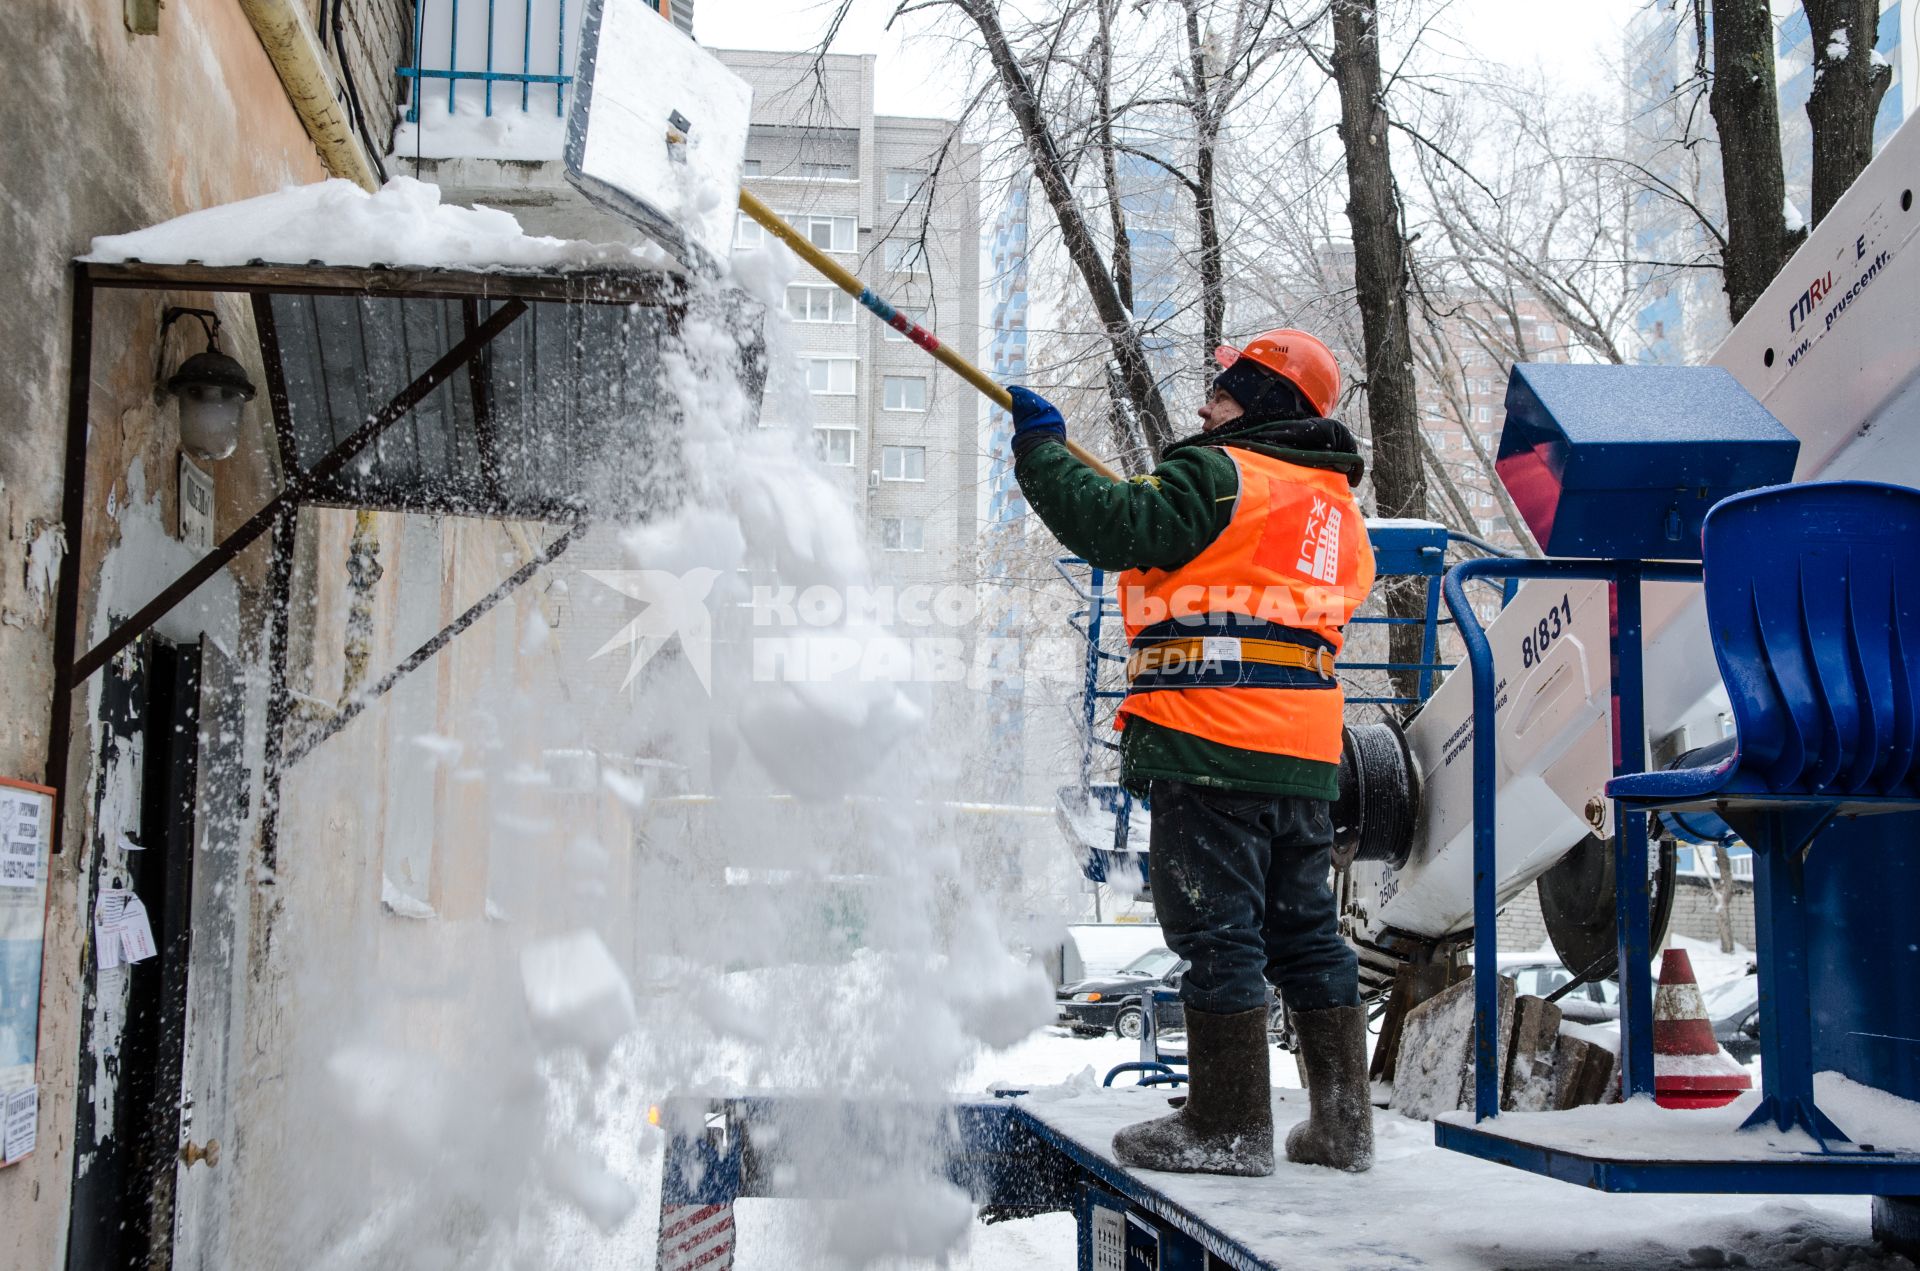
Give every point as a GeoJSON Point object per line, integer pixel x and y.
{"type": "Point", "coordinates": [387, 883]}
{"type": "Point", "coordinates": [108, 132]}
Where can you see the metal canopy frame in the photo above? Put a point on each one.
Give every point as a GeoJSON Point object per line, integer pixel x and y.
{"type": "Point", "coordinates": [512, 292]}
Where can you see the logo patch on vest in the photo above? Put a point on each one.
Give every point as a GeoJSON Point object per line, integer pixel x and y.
{"type": "Point", "coordinates": [1320, 542]}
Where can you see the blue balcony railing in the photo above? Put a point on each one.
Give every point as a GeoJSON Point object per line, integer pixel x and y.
{"type": "Point", "coordinates": [481, 42]}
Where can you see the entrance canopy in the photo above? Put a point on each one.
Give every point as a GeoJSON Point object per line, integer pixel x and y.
{"type": "Point", "coordinates": [515, 394]}
{"type": "Point", "coordinates": [556, 416]}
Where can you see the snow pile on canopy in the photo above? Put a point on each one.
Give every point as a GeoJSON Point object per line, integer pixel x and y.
{"type": "Point", "coordinates": [338, 223]}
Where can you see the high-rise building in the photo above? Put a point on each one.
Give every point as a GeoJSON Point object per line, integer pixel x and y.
{"type": "Point", "coordinates": [1005, 531]}
{"type": "Point", "coordinates": [1156, 213]}
{"type": "Point", "coordinates": [896, 200]}
{"type": "Point", "coordinates": [1006, 355]}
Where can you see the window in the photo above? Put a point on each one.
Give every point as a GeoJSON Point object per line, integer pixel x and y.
{"type": "Point", "coordinates": [905, 392]}
{"type": "Point", "coordinates": [903, 534]}
{"type": "Point", "coordinates": [1482, 414]}
{"type": "Point", "coordinates": [1546, 333]}
{"type": "Point", "coordinates": [829, 233]}
{"type": "Point", "coordinates": [906, 256]}
{"type": "Point", "coordinates": [903, 463]}
{"type": "Point", "coordinates": [826, 171]}
{"type": "Point", "coordinates": [749, 167]}
{"type": "Point", "coordinates": [1153, 964]}
{"type": "Point", "coordinates": [747, 234]}
{"type": "Point", "coordinates": [904, 185]}
{"type": "Point", "coordinates": [830, 375]}
{"type": "Point", "coordinates": [834, 446]}
{"type": "Point", "coordinates": [916, 316]}
{"type": "Point", "coordinates": [806, 303]}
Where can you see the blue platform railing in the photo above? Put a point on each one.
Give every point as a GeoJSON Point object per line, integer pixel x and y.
{"type": "Point", "coordinates": [1630, 824]}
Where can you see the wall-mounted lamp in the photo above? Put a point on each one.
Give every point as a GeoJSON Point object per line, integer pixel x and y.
{"type": "Point", "coordinates": [211, 387]}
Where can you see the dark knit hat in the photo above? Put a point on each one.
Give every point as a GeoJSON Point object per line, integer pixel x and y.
{"type": "Point", "coordinates": [1264, 396]}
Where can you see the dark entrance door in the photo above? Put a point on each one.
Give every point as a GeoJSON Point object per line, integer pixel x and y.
{"type": "Point", "coordinates": [133, 1030]}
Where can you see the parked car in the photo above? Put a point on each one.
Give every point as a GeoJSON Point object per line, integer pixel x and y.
{"type": "Point", "coordinates": [1594, 1002]}
{"type": "Point", "coordinates": [1734, 1008]}
{"type": "Point", "coordinates": [1094, 1006]}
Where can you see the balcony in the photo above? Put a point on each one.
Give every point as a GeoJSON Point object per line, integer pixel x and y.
{"type": "Point", "coordinates": [484, 110]}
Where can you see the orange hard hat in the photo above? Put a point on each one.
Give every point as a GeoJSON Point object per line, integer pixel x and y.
{"type": "Point", "coordinates": [1296, 357]}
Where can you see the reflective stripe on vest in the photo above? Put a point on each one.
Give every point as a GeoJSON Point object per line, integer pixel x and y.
{"type": "Point", "coordinates": [1237, 645]}
{"type": "Point", "coordinates": [1225, 661]}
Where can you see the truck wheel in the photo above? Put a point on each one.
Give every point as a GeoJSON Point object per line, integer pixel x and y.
{"type": "Point", "coordinates": [1128, 1023]}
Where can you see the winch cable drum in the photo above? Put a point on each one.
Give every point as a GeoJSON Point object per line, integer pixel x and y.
{"type": "Point", "coordinates": [1379, 800]}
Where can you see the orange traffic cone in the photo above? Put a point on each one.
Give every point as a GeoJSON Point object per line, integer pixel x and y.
{"type": "Point", "coordinates": [1689, 1068]}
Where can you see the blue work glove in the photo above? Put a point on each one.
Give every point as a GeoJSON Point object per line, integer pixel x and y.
{"type": "Point", "coordinates": [1035, 420]}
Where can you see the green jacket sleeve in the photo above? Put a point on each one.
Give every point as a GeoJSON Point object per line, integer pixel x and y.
{"type": "Point", "coordinates": [1160, 521]}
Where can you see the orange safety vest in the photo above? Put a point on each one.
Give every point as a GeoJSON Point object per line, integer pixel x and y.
{"type": "Point", "coordinates": [1237, 646]}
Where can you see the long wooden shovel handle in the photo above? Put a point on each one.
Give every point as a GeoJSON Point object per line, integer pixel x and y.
{"type": "Point", "coordinates": [838, 275]}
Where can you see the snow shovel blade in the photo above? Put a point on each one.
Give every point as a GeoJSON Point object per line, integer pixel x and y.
{"type": "Point", "coordinates": [657, 131]}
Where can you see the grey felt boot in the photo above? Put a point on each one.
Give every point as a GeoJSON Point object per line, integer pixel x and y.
{"type": "Point", "coordinates": [1226, 1124]}
{"type": "Point", "coordinates": [1338, 1131]}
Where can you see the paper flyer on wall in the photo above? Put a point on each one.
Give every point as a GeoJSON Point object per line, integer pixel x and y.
{"type": "Point", "coordinates": [122, 931]}
{"type": "Point", "coordinates": [26, 826]}
{"type": "Point", "coordinates": [22, 834]}
{"type": "Point", "coordinates": [19, 1123]}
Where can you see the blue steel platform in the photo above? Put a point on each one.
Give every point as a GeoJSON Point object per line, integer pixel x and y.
{"type": "Point", "coordinates": [1642, 1148]}
{"type": "Point", "coordinates": [1808, 1172]}
{"type": "Point", "coordinates": [1420, 1207]}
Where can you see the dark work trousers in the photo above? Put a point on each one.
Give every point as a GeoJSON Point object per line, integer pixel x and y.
{"type": "Point", "coordinates": [1240, 885]}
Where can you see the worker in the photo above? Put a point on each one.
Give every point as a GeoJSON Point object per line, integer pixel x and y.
{"type": "Point", "coordinates": [1244, 555]}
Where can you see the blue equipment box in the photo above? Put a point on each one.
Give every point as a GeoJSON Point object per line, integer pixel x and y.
{"type": "Point", "coordinates": [1624, 461]}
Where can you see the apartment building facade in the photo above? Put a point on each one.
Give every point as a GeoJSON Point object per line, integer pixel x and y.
{"type": "Point", "coordinates": [896, 200]}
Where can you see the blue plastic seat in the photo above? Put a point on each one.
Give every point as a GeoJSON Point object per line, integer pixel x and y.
{"type": "Point", "coordinates": [1813, 601]}
{"type": "Point", "coordinates": [1813, 597]}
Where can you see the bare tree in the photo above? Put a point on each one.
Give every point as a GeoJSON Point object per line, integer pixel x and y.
{"type": "Point", "coordinates": [1134, 374]}
{"type": "Point", "coordinates": [1848, 83]}
{"type": "Point", "coordinates": [1380, 279]}
{"type": "Point", "coordinates": [1379, 260]}
{"type": "Point", "coordinates": [1746, 110]}
{"type": "Point", "coordinates": [1543, 216]}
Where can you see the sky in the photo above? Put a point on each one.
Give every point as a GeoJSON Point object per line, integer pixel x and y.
{"type": "Point", "coordinates": [1571, 39]}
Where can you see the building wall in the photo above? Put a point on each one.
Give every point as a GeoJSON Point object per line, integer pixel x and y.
{"type": "Point", "coordinates": [111, 131]}
{"type": "Point", "coordinates": [372, 38]}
